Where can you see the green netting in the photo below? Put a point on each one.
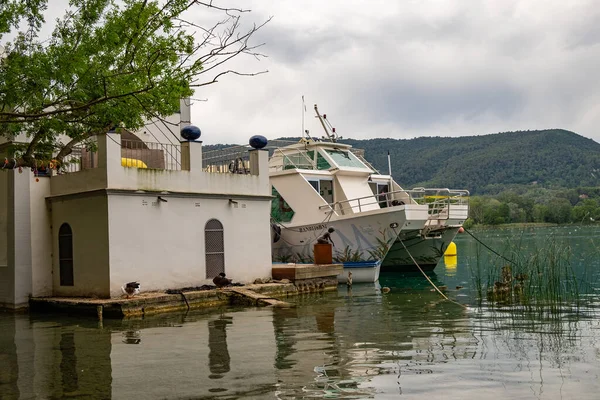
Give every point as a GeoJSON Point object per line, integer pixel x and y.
{"type": "Point", "coordinates": [280, 209]}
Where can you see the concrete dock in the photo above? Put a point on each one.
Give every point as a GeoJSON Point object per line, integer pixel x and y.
{"type": "Point", "coordinates": [291, 280]}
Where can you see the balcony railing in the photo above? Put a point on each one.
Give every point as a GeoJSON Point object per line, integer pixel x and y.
{"type": "Point", "coordinates": [140, 154]}
{"type": "Point", "coordinates": [82, 156]}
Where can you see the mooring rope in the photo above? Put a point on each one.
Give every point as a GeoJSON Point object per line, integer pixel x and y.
{"type": "Point", "coordinates": [489, 248]}
{"type": "Point", "coordinates": [429, 280]}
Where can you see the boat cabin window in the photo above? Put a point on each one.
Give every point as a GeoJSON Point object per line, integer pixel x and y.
{"type": "Point", "coordinates": [324, 187]}
{"type": "Point", "coordinates": [280, 209]}
{"type": "Point", "coordinates": [344, 158]}
{"type": "Point", "coordinates": [321, 162]}
{"type": "Point", "coordinates": [298, 160]}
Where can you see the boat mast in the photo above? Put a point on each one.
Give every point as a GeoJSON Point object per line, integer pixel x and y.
{"type": "Point", "coordinates": [303, 111]}
{"type": "Point", "coordinates": [326, 126]}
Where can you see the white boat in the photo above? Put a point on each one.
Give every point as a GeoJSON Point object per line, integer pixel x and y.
{"type": "Point", "coordinates": [362, 272]}
{"type": "Point", "coordinates": [322, 184]}
{"type": "Point", "coordinates": [318, 184]}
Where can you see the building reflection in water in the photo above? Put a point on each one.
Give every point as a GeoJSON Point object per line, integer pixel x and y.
{"type": "Point", "coordinates": [46, 359]}
{"type": "Point", "coordinates": [68, 363]}
{"type": "Point", "coordinates": [218, 356]}
{"type": "Point", "coordinates": [9, 362]}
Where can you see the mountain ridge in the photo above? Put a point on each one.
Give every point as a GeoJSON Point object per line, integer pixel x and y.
{"type": "Point", "coordinates": [485, 164]}
{"type": "Point", "coordinates": [550, 158]}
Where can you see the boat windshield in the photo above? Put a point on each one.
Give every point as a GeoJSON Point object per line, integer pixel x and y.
{"type": "Point", "coordinates": [346, 159]}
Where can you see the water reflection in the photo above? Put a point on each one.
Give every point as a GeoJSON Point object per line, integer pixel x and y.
{"type": "Point", "coordinates": [68, 363]}
{"type": "Point", "coordinates": [358, 343]}
{"type": "Point", "coordinates": [9, 362]}
{"type": "Point", "coordinates": [218, 356]}
{"type": "Point", "coordinates": [132, 337]}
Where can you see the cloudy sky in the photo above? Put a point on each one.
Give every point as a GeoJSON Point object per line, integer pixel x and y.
{"type": "Point", "coordinates": [407, 68]}
{"type": "Point", "coordinates": [411, 68]}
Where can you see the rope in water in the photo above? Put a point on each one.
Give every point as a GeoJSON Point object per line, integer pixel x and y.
{"type": "Point", "coordinates": [429, 280]}
{"type": "Point", "coordinates": [489, 248]}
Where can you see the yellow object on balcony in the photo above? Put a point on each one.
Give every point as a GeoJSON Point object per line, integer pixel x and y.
{"type": "Point", "coordinates": [133, 162]}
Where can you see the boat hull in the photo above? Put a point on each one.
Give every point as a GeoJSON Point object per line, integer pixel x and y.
{"type": "Point", "coordinates": [357, 239]}
{"type": "Point", "coordinates": [362, 272]}
{"type": "Point", "coordinates": [427, 252]}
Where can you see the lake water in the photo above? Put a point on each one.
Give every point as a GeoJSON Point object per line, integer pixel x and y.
{"type": "Point", "coordinates": [358, 344]}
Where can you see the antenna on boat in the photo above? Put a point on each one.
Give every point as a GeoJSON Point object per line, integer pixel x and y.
{"type": "Point", "coordinates": [391, 188]}
{"type": "Point", "coordinates": [333, 137]}
{"type": "Point", "coordinates": [303, 112]}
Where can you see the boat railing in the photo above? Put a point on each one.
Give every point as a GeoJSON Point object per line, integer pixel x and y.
{"type": "Point", "coordinates": [439, 201]}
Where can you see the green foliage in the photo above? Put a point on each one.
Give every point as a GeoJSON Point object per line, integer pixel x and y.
{"type": "Point", "coordinates": [490, 164]}
{"type": "Point", "coordinates": [106, 64]}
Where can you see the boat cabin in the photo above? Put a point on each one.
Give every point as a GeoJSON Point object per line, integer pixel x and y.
{"type": "Point", "coordinates": [340, 178]}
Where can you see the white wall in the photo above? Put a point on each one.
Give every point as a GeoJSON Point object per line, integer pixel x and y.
{"type": "Point", "coordinates": [3, 218]}
{"type": "Point", "coordinates": [156, 131]}
{"type": "Point", "coordinates": [19, 235]}
{"type": "Point", "coordinates": [161, 244]}
{"type": "Point", "coordinates": [88, 218]}
{"type": "Point", "coordinates": [41, 238]}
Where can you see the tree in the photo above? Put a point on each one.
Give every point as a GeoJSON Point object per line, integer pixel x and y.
{"type": "Point", "coordinates": [107, 64]}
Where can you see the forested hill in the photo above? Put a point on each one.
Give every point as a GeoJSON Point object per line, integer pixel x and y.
{"type": "Point", "coordinates": [489, 163]}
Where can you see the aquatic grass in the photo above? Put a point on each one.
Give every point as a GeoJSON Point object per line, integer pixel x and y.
{"type": "Point", "coordinates": [476, 273]}
{"type": "Point", "coordinates": [539, 278]}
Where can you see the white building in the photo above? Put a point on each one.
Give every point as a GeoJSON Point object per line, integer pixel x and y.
{"type": "Point", "coordinates": [86, 233]}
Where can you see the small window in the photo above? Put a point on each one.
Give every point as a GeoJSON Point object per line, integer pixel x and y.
{"type": "Point", "coordinates": [324, 187]}
{"type": "Point", "coordinates": [214, 247]}
{"type": "Point", "coordinates": [65, 255]}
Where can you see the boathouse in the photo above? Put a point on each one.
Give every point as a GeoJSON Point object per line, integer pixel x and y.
{"type": "Point", "coordinates": [131, 210]}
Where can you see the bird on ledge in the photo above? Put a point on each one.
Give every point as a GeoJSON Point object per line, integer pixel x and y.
{"type": "Point", "coordinates": [131, 289]}
{"type": "Point", "coordinates": [220, 280]}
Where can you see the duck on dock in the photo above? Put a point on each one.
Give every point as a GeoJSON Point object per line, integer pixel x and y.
{"type": "Point", "coordinates": [221, 281]}
{"type": "Point", "coordinates": [130, 289]}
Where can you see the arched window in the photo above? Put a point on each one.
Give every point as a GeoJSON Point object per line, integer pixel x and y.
{"type": "Point", "coordinates": [65, 255]}
{"type": "Point", "coordinates": [214, 247]}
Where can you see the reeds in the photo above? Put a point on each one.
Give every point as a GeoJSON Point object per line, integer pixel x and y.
{"type": "Point", "coordinates": [541, 278]}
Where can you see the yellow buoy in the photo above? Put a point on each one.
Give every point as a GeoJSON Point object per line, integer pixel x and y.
{"type": "Point", "coordinates": [450, 250]}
